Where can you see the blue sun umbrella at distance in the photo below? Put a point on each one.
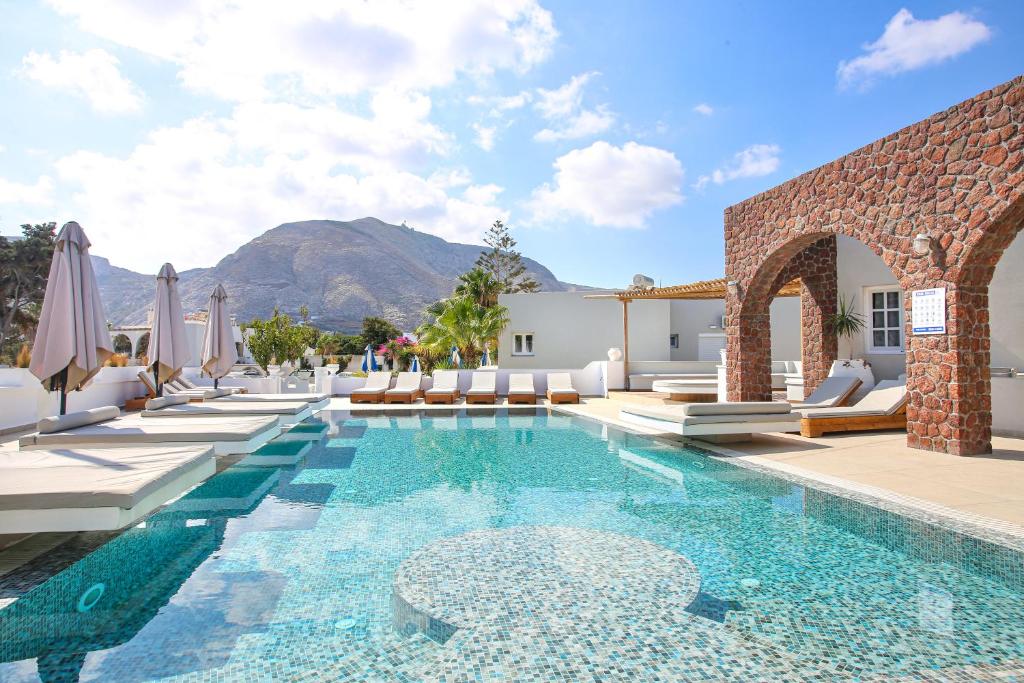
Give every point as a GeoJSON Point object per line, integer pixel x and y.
{"type": "Point", "coordinates": [370, 360]}
{"type": "Point", "coordinates": [456, 358]}
{"type": "Point", "coordinates": [415, 366]}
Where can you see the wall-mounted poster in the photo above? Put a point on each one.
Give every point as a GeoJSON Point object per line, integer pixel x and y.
{"type": "Point", "coordinates": [928, 311]}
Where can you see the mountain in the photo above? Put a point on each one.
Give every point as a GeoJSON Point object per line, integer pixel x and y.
{"type": "Point", "coordinates": [342, 270]}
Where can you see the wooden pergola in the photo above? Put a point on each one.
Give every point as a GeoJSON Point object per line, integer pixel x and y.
{"type": "Point", "coordinates": [704, 289]}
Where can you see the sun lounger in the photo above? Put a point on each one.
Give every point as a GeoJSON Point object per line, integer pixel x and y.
{"type": "Point", "coordinates": [560, 388]}
{"type": "Point", "coordinates": [315, 401]}
{"type": "Point", "coordinates": [482, 388]}
{"type": "Point", "coordinates": [832, 392]}
{"type": "Point", "coordinates": [287, 414]}
{"type": "Point", "coordinates": [86, 489]}
{"type": "Point", "coordinates": [884, 407]}
{"type": "Point", "coordinates": [520, 388]}
{"type": "Point", "coordinates": [445, 389]}
{"type": "Point", "coordinates": [103, 427]}
{"type": "Point", "coordinates": [171, 390]}
{"type": "Point", "coordinates": [406, 390]}
{"type": "Point", "coordinates": [377, 383]}
{"type": "Point", "coordinates": [189, 384]}
{"type": "Point", "coordinates": [721, 422]}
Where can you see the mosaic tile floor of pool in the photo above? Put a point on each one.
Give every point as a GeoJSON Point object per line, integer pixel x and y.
{"type": "Point", "coordinates": [528, 547]}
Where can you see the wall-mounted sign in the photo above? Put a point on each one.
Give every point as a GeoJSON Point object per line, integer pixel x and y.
{"type": "Point", "coordinates": [928, 311]}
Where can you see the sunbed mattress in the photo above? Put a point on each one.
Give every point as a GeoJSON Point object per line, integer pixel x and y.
{"type": "Point", "coordinates": [229, 409]}
{"type": "Point", "coordinates": [272, 398]}
{"type": "Point", "coordinates": [677, 415]}
{"type": "Point", "coordinates": [91, 478]}
{"type": "Point", "coordinates": [133, 429]}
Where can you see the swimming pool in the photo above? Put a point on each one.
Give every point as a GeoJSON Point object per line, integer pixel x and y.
{"type": "Point", "coordinates": [482, 545]}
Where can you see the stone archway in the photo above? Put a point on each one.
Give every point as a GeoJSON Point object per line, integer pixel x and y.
{"type": "Point", "coordinates": [956, 177]}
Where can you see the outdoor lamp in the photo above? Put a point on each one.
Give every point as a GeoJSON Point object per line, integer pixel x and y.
{"type": "Point", "coordinates": [733, 287]}
{"type": "Point", "coordinates": [922, 244]}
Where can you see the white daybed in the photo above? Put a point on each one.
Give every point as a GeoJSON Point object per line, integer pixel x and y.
{"type": "Point", "coordinates": [715, 421]}
{"type": "Point", "coordinates": [286, 414]}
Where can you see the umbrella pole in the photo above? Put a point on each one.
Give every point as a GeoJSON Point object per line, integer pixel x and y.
{"type": "Point", "coordinates": [62, 380]}
{"type": "Point", "coordinates": [156, 379]}
{"type": "Point", "coordinates": [216, 380]}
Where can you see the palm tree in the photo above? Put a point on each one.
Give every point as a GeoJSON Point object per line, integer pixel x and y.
{"type": "Point", "coordinates": [480, 286]}
{"type": "Point", "coordinates": [466, 325]}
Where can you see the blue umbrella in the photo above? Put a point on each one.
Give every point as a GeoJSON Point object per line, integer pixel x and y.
{"type": "Point", "coordinates": [415, 367]}
{"type": "Point", "coordinates": [486, 360]}
{"type": "Point", "coordinates": [370, 360]}
{"type": "Point", "coordinates": [456, 358]}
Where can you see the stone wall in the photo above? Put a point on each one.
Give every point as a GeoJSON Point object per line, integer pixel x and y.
{"type": "Point", "coordinates": [958, 177]}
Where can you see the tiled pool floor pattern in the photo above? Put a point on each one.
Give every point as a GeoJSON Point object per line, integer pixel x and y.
{"type": "Point", "coordinates": [288, 574]}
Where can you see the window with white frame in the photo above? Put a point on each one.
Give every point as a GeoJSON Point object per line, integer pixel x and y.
{"type": "Point", "coordinates": [673, 341]}
{"type": "Point", "coordinates": [885, 320]}
{"type": "Point", "coordinates": [522, 344]}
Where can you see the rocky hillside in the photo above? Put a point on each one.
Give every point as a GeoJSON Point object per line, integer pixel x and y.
{"type": "Point", "coordinates": [343, 271]}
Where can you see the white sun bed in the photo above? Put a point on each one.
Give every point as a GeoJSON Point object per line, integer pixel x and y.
{"type": "Point", "coordinates": [482, 390]}
{"type": "Point", "coordinates": [520, 388]}
{"type": "Point", "coordinates": [315, 401]}
{"type": "Point", "coordinates": [445, 389]}
{"type": "Point", "coordinates": [86, 489]}
{"type": "Point", "coordinates": [189, 384]}
{"type": "Point", "coordinates": [170, 390]}
{"type": "Point", "coordinates": [103, 427]}
{"type": "Point", "coordinates": [560, 389]}
{"type": "Point", "coordinates": [287, 414]}
{"type": "Point", "coordinates": [832, 392]}
{"type": "Point", "coordinates": [406, 389]}
{"type": "Point", "coordinates": [715, 421]}
{"type": "Point", "coordinates": [884, 407]}
{"type": "Point", "coordinates": [373, 391]}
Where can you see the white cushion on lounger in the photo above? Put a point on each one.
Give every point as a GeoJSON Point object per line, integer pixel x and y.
{"type": "Point", "coordinates": [187, 409]}
{"type": "Point", "coordinates": [60, 423]}
{"type": "Point", "coordinates": [90, 478]}
{"type": "Point", "coordinates": [272, 398]}
{"type": "Point", "coordinates": [445, 382]}
{"type": "Point", "coordinates": [376, 382]}
{"type": "Point", "coordinates": [679, 415]}
{"type": "Point", "coordinates": [483, 383]}
{"type": "Point", "coordinates": [831, 391]}
{"type": "Point", "coordinates": [521, 383]}
{"type": "Point", "coordinates": [738, 408]}
{"type": "Point", "coordinates": [887, 397]}
{"type": "Point", "coordinates": [560, 383]}
{"type": "Point", "coordinates": [164, 401]}
{"type": "Point", "coordinates": [132, 429]}
{"type": "Point", "coordinates": [407, 383]}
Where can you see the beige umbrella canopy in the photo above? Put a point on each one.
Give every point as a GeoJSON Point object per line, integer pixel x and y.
{"type": "Point", "coordinates": [219, 352]}
{"type": "Point", "coordinates": [72, 341]}
{"type": "Point", "coordinates": [168, 348]}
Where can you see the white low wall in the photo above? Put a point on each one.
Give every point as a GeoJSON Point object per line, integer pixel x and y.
{"type": "Point", "coordinates": [589, 381]}
{"type": "Point", "coordinates": [1008, 406]}
{"type": "Point", "coordinates": [23, 400]}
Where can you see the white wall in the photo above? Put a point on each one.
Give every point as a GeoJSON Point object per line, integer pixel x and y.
{"type": "Point", "coordinates": [690, 319]}
{"type": "Point", "coordinates": [1006, 302]}
{"type": "Point", "coordinates": [570, 331]}
{"type": "Point", "coordinates": [23, 400]}
{"type": "Point", "coordinates": [858, 268]}
{"type": "Point", "coordinates": [785, 319]}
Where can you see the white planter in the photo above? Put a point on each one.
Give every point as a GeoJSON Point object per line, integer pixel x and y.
{"type": "Point", "coordinates": [615, 354]}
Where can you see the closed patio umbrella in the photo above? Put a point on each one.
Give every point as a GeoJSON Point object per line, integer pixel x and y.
{"type": "Point", "coordinates": [370, 360]}
{"type": "Point", "coordinates": [168, 348]}
{"type": "Point", "coordinates": [456, 358]}
{"type": "Point", "coordinates": [486, 360]}
{"type": "Point", "coordinates": [219, 351]}
{"type": "Point", "coordinates": [72, 341]}
{"type": "Point", "coordinates": [415, 365]}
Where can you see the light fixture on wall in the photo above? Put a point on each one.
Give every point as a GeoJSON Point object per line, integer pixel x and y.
{"type": "Point", "coordinates": [733, 286]}
{"type": "Point", "coordinates": [922, 244]}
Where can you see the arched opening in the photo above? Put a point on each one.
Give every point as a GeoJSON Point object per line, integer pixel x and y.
{"type": "Point", "coordinates": [122, 345]}
{"type": "Point", "coordinates": [142, 347]}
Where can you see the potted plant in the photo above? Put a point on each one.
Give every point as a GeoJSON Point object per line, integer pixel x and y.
{"type": "Point", "coordinates": [847, 324]}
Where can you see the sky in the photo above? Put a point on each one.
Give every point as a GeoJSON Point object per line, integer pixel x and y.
{"type": "Point", "coordinates": [609, 136]}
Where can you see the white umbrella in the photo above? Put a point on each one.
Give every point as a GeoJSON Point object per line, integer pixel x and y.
{"type": "Point", "coordinates": [219, 351]}
{"type": "Point", "coordinates": [72, 341]}
{"type": "Point", "coordinates": [168, 348]}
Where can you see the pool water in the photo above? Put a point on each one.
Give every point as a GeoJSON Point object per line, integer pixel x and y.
{"type": "Point", "coordinates": [602, 555]}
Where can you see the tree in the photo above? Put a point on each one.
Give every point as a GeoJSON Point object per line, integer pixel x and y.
{"type": "Point", "coordinates": [277, 339]}
{"type": "Point", "coordinates": [376, 331]}
{"type": "Point", "coordinates": [480, 286]}
{"type": "Point", "coordinates": [466, 325]}
{"type": "Point", "coordinates": [24, 268]}
{"type": "Point", "coordinates": [504, 263]}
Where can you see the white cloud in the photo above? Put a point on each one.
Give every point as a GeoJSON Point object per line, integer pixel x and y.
{"type": "Point", "coordinates": [93, 74]}
{"type": "Point", "coordinates": [250, 50]}
{"type": "Point", "coordinates": [39, 193]}
{"type": "Point", "coordinates": [609, 186]}
{"type": "Point", "coordinates": [908, 43]}
{"type": "Point", "coordinates": [563, 107]}
{"type": "Point", "coordinates": [704, 108]}
{"type": "Point", "coordinates": [754, 161]}
{"type": "Point", "coordinates": [501, 104]}
{"type": "Point", "coordinates": [195, 192]}
{"type": "Point", "coordinates": [485, 136]}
